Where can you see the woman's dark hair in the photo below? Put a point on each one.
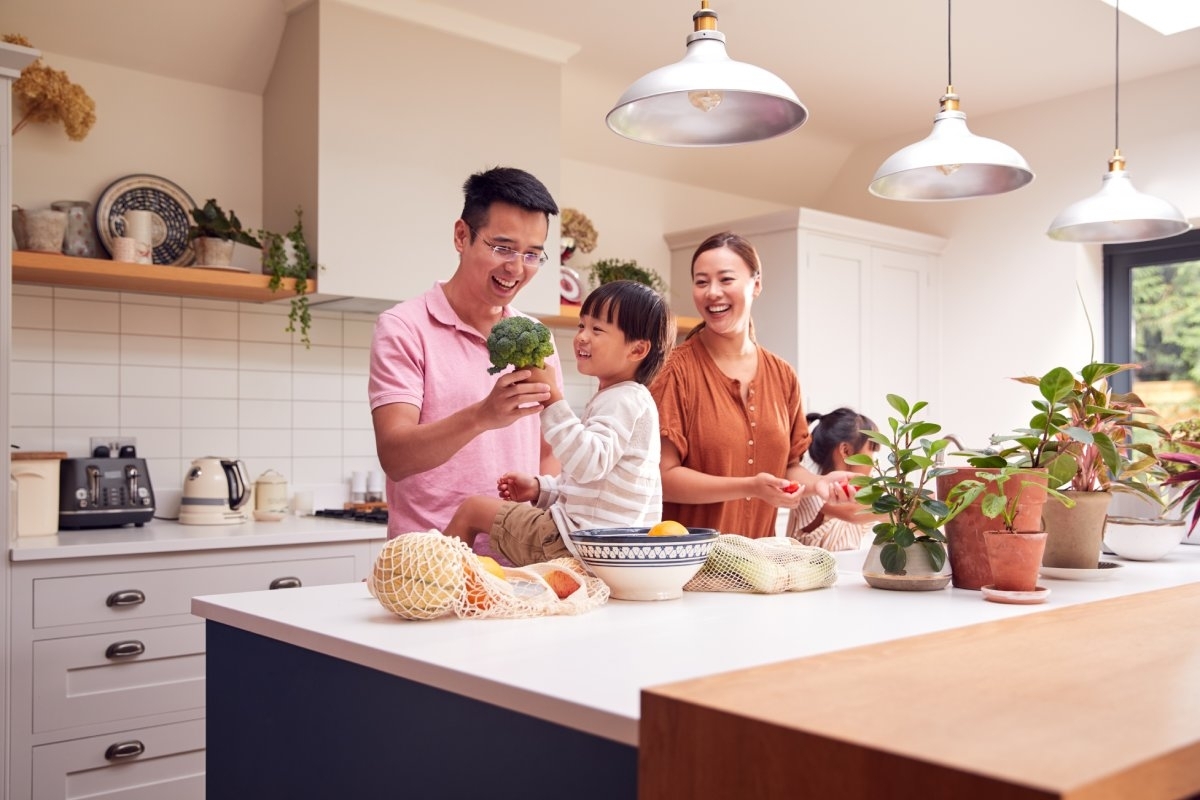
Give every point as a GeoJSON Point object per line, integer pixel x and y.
{"type": "Point", "coordinates": [503, 185]}
{"type": "Point", "coordinates": [830, 430]}
{"type": "Point", "coordinates": [640, 313]}
{"type": "Point", "coordinates": [741, 248]}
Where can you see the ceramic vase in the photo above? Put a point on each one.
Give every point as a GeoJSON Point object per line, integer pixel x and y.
{"type": "Point", "coordinates": [1015, 559]}
{"type": "Point", "coordinates": [919, 574]}
{"type": "Point", "coordinates": [80, 237]}
{"type": "Point", "coordinates": [1074, 535]}
{"type": "Point", "coordinates": [213, 252]}
{"type": "Point", "coordinates": [968, 555]}
{"type": "Point", "coordinates": [44, 230]}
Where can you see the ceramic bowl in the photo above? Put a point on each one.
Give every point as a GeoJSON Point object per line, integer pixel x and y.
{"type": "Point", "coordinates": [640, 567]}
{"type": "Point", "coordinates": [1139, 539]}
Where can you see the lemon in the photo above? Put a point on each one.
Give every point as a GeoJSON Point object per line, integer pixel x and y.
{"type": "Point", "coordinates": [668, 527]}
{"type": "Point", "coordinates": [491, 565]}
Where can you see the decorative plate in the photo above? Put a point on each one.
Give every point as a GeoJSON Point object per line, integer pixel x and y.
{"type": "Point", "coordinates": [570, 289]}
{"type": "Point", "coordinates": [167, 201]}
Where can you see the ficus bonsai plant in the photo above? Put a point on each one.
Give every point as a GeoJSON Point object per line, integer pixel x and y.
{"type": "Point", "coordinates": [896, 488]}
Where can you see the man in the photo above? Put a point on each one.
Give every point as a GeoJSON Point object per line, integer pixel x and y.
{"type": "Point", "coordinates": [445, 429]}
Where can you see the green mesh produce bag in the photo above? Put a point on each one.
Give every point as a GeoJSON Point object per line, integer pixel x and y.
{"type": "Point", "coordinates": [766, 566]}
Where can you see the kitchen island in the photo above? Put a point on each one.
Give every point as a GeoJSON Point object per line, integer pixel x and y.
{"type": "Point", "coordinates": [322, 692]}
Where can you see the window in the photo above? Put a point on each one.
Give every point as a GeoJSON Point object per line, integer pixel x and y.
{"type": "Point", "coordinates": [1152, 318]}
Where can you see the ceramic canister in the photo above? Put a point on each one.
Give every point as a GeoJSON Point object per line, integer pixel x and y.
{"type": "Point", "coordinates": [270, 493]}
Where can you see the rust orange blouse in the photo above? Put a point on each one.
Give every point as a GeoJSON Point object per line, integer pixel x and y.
{"type": "Point", "coordinates": [702, 414]}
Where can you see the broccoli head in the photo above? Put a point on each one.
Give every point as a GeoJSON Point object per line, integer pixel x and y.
{"type": "Point", "coordinates": [519, 341]}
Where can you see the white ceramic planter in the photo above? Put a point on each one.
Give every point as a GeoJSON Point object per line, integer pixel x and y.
{"type": "Point", "coordinates": [1143, 539]}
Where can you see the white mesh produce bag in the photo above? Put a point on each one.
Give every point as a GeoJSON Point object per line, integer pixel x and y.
{"type": "Point", "coordinates": [426, 575]}
{"type": "Point", "coordinates": [766, 566]}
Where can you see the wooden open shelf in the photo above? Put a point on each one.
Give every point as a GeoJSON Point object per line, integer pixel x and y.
{"type": "Point", "coordinates": [52, 269]}
{"type": "Point", "coordinates": [568, 317]}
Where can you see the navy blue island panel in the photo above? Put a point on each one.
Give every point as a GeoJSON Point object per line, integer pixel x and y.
{"type": "Point", "coordinates": [285, 722]}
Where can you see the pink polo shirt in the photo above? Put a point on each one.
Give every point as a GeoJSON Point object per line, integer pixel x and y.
{"type": "Point", "coordinates": [424, 355]}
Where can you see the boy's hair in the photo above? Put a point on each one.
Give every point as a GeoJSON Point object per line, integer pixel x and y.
{"type": "Point", "coordinates": [640, 313]}
{"type": "Point", "coordinates": [839, 425]}
{"type": "Point", "coordinates": [503, 185]}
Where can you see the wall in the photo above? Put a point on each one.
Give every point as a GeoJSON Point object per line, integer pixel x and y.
{"type": "Point", "coordinates": [1011, 305]}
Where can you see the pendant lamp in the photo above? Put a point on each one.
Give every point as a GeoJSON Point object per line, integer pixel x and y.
{"type": "Point", "coordinates": [1118, 212]}
{"type": "Point", "coordinates": [706, 99]}
{"type": "Point", "coordinates": [951, 163]}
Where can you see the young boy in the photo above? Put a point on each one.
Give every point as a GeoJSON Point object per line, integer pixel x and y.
{"type": "Point", "coordinates": [610, 456]}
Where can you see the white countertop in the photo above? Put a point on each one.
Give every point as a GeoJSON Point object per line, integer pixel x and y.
{"type": "Point", "coordinates": [167, 536]}
{"type": "Point", "coordinates": [586, 672]}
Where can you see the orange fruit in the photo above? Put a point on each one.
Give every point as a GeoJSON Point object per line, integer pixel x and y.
{"type": "Point", "coordinates": [668, 527]}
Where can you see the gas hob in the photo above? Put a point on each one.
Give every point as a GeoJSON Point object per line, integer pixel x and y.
{"type": "Point", "coordinates": [376, 515]}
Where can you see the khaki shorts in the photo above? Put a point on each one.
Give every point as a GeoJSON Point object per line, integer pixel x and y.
{"type": "Point", "coordinates": [526, 534]}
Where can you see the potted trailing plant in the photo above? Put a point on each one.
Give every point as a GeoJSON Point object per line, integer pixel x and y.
{"type": "Point", "coordinates": [213, 234]}
{"type": "Point", "coordinates": [1082, 434]}
{"type": "Point", "coordinates": [1014, 554]}
{"type": "Point", "coordinates": [286, 255]}
{"type": "Point", "coordinates": [909, 550]}
{"type": "Point", "coordinates": [615, 269]}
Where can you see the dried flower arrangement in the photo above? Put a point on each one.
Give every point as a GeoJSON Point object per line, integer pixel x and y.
{"type": "Point", "coordinates": [47, 95]}
{"type": "Point", "coordinates": [579, 228]}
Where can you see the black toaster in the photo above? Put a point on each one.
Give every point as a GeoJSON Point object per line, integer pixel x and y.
{"type": "Point", "coordinates": [105, 492]}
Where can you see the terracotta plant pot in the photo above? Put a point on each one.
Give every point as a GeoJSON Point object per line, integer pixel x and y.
{"type": "Point", "coordinates": [1015, 559]}
{"type": "Point", "coordinates": [964, 534]}
{"type": "Point", "coordinates": [1075, 534]}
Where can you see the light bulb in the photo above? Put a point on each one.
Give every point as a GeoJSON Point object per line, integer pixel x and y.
{"type": "Point", "coordinates": [948, 169]}
{"type": "Point", "coordinates": [705, 99]}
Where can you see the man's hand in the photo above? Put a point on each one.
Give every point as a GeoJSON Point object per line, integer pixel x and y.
{"type": "Point", "coordinates": [511, 398]}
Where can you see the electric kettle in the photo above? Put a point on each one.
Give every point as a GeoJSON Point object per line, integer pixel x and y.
{"type": "Point", "coordinates": [214, 491]}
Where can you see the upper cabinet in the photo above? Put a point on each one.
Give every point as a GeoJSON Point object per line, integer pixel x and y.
{"type": "Point", "coordinates": [853, 305]}
{"type": "Point", "coordinates": [379, 163]}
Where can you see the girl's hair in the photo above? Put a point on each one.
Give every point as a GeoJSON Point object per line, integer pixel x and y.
{"type": "Point", "coordinates": [839, 425]}
{"type": "Point", "coordinates": [639, 312]}
{"type": "Point", "coordinates": [741, 248]}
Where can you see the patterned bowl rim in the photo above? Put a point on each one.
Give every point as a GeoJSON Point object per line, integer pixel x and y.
{"type": "Point", "coordinates": [637, 536]}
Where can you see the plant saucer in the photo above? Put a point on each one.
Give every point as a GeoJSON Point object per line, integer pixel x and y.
{"type": "Point", "coordinates": [995, 595]}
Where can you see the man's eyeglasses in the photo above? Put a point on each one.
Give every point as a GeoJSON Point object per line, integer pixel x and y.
{"type": "Point", "coordinates": [508, 255]}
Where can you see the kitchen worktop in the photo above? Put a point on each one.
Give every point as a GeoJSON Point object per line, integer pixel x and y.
{"type": "Point", "coordinates": [614, 652]}
{"type": "Point", "coordinates": [168, 536]}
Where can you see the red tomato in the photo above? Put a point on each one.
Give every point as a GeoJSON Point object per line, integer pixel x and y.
{"type": "Point", "coordinates": [792, 488]}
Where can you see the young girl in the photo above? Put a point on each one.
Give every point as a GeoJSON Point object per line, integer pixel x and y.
{"type": "Point", "coordinates": [610, 456]}
{"type": "Point", "coordinates": [835, 436]}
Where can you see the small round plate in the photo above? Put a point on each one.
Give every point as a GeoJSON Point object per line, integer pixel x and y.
{"type": "Point", "coordinates": [1104, 571]}
{"type": "Point", "coordinates": [1038, 595]}
{"type": "Point", "coordinates": [169, 203]}
{"type": "Point", "coordinates": [570, 289]}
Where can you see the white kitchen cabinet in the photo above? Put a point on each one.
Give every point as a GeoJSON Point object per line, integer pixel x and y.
{"type": "Point", "coordinates": [853, 305]}
{"type": "Point", "coordinates": [107, 663]}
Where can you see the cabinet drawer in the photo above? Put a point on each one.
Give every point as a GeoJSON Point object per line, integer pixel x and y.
{"type": "Point", "coordinates": [78, 599]}
{"type": "Point", "coordinates": [85, 679]}
{"type": "Point", "coordinates": [170, 764]}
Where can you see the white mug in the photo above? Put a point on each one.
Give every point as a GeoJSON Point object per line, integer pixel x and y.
{"type": "Point", "coordinates": [139, 225]}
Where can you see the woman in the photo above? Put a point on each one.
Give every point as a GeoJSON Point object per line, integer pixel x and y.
{"type": "Point", "coordinates": [733, 431]}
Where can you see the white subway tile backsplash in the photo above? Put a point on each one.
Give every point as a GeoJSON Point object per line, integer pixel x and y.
{"type": "Point", "coordinates": [256, 385]}
{"type": "Point", "coordinates": [209, 413]}
{"type": "Point", "coordinates": [194, 377]}
{"type": "Point", "coordinates": [90, 315]}
{"type": "Point", "coordinates": [265, 414]}
{"type": "Point", "coordinates": [147, 319]}
{"type": "Point", "coordinates": [265, 356]}
{"type": "Point", "coordinates": [220, 322]}
{"type": "Point", "coordinates": [150, 381]}
{"type": "Point", "coordinates": [31, 377]}
{"type": "Point", "coordinates": [31, 410]}
{"type": "Point", "coordinates": [33, 312]}
{"type": "Point", "coordinates": [87, 348]}
{"type": "Point", "coordinates": [32, 345]}
{"type": "Point", "coordinates": [151, 412]}
{"type": "Point", "coordinates": [316, 386]}
{"type": "Point", "coordinates": [209, 353]}
{"type": "Point", "coordinates": [208, 383]}
{"type": "Point", "coordinates": [86, 379]}
{"type": "Point", "coordinates": [156, 351]}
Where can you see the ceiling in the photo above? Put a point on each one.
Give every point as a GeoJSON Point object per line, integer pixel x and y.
{"type": "Point", "coordinates": [867, 70]}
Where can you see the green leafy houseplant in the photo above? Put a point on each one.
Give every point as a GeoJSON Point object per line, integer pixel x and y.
{"type": "Point", "coordinates": [212, 222]}
{"type": "Point", "coordinates": [995, 504]}
{"type": "Point", "coordinates": [896, 489]}
{"type": "Point", "coordinates": [615, 269]}
{"type": "Point", "coordinates": [1187, 477]}
{"type": "Point", "coordinates": [286, 255]}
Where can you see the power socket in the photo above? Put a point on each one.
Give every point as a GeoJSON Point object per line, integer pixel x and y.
{"type": "Point", "coordinates": [113, 443]}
